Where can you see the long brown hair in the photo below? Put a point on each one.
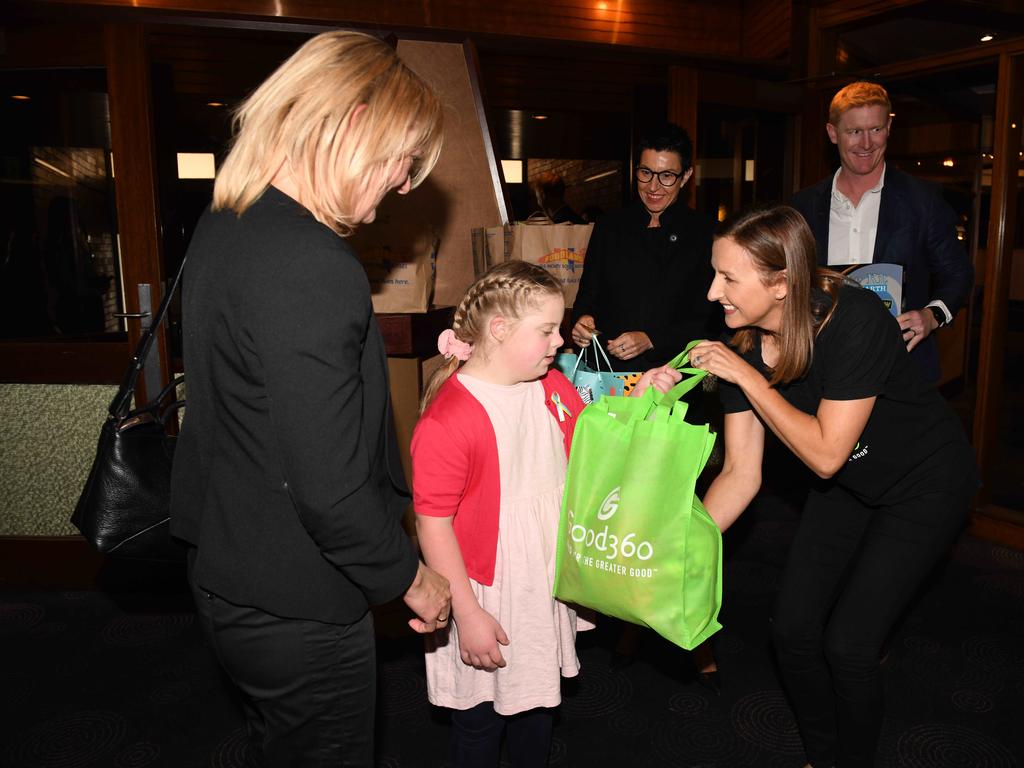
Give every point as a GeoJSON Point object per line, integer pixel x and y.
{"type": "Point", "coordinates": [782, 248]}
{"type": "Point", "coordinates": [511, 289]}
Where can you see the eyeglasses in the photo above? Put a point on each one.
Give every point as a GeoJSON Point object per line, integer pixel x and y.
{"type": "Point", "coordinates": [665, 178]}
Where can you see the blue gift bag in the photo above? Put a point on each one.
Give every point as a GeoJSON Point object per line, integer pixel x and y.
{"type": "Point", "coordinates": [594, 383]}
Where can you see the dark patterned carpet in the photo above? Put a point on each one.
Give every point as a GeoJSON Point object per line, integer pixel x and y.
{"type": "Point", "coordinates": [120, 678]}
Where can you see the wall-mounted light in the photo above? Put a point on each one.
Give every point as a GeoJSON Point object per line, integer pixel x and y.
{"type": "Point", "coordinates": [540, 117]}
{"type": "Point", "coordinates": [512, 170]}
{"type": "Point", "coordinates": [987, 38]}
{"type": "Point", "coordinates": [51, 167]}
{"type": "Point", "coordinates": [20, 97]}
{"type": "Point", "coordinates": [196, 165]}
{"type": "Point", "coordinates": [215, 103]}
{"type": "Point", "coordinates": [948, 162]}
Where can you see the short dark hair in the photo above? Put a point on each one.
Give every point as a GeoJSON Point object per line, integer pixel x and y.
{"type": "Point", "coordinates": [668, 137]}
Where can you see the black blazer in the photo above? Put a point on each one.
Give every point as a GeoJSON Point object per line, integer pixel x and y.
{"type": "Point", "coordinates": [286, 474]}
{"type": "Point", "coordinates": [916, 228]}
{"type": "Point", "coordinates": [654, 280]}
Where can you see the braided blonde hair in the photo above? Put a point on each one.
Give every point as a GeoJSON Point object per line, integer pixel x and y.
{"type": "Point", "coordinates": [510, 289]}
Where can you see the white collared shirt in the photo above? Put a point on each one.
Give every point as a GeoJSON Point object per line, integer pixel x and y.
{"type": "Point", "coordinates": [852, 228]}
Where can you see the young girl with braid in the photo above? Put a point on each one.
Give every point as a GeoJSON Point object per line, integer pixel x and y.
{"type": "Point", "coordinates": [489, 458]}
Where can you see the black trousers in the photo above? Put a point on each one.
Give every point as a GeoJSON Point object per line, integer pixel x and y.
{"type": "Point", "coordinates": [852, 570]}
{"type": "Point", "coordinates": [477, 732]}
{"type": "Point", "coordinates": [309, 688]}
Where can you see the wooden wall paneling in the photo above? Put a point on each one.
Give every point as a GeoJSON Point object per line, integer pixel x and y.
{"type": "Point", "coordinates": [683, 98]}
{"type": "Point", "coordinates": [571, 79]}
{"type": "Point", "coordinates": [72, 362]}
{"type": "Point", "coordinates": [815, 148]}
{"type": "Point", "coordinates": [689, 27]}
{"type": "Point", "coordinates": [767, 25]}
{"type": "Point", "coordinates": [131, 131]}
{"type": "Point", "coordinates": [34, 45]}
{"type": "Point", "coordinates": [999, 261]}
{"type": "Point", "coordinates": [834, 13]}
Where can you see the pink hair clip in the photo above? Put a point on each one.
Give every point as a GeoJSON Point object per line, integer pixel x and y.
{"type": "Point", "coordinates": [450, 346]}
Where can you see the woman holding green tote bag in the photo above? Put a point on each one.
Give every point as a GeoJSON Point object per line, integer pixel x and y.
{"type": "Point", "coordinates": [823, 365]}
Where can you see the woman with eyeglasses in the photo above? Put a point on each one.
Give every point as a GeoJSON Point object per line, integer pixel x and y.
{"type": "Point", "coordinates": [642, 292]}
{"type": "Point", "coordinates": [647, 265]}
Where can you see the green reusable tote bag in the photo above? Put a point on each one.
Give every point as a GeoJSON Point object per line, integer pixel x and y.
{"type": "Point", "coordinates": [634, 541]}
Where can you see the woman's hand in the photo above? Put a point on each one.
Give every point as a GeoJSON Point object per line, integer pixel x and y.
{"type": "Point", "coordinates": [584, 330]}
{"type": "Point", "coordinates": [628, 345]}
{"type": "Point", "coordinates": [662, 379]}
{"type": "Point", "coordinates": [719, 359]}
{"type": "Point", "coordinates": [479, 637]}
{"type": "Point", "coordinates": [429, 596]}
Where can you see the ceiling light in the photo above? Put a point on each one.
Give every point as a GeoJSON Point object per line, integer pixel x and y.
{"type": "Point", "coordinates": [540, 117]}
{"type": "Point", "coordinates": [987, 38]}
{"type": "Point", "coordinates": [215, 103]}
{"type": "Point", "coordinates": [20, 97]}
{"type": "Point", "coordinates": [948, 162]}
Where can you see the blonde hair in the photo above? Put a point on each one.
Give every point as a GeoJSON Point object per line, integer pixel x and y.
{"type": "Point", "coordinates": [859, 94]}
{"type": "Point", "coordinates": [510, 289]}
{"type": "Point", "coordinates": [302, 116]}
{"type": "Point", "coordinates": [782, 248]}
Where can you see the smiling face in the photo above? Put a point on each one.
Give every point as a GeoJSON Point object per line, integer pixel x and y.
{"type": "Point", "coordinates": [655, 197]}
{"type": "Point", "coordinates": [527, 346]}
{"type": "Point", "coordinates": [861, 137]}
{"type": "Point", "coordinates": [739, 287]}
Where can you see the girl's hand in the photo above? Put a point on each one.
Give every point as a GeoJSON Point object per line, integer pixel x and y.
{"type": "Point", "coordinates": [479, 637]}
{"type": "Point", "coordinates": [719, 359]}
{"type": "Point", "coordinates": [662, 379]}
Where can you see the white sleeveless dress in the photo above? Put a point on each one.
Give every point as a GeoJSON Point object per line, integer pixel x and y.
{"type": "Point", "coordinates": [541, 630]}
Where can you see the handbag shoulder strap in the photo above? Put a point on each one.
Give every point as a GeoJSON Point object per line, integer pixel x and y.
{"type": "Point", "coordinates": [122, 401]}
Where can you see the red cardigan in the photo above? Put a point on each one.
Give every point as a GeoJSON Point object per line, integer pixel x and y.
{"type": "Point", "coordinates": [455, 465]}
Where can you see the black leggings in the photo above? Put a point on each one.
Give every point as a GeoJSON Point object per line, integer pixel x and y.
{"type": "Point", "coordinates": [852, 570]}
{"type": "Point", "coordinates": [476, 737]}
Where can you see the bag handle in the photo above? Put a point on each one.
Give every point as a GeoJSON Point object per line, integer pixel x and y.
{"type": "Point", "coordinates": [696, 376]}
{"type": "Point", "coordinates": [597, 357]}
{"type": "Point", "coordinates": [121, 404]}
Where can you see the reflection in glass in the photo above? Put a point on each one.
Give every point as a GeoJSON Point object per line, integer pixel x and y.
{"type": "Point", "coordinates": [59, 274]}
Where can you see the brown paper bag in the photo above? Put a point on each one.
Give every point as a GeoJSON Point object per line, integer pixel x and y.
{"type": "Point", "coordinates": [559, 248]}
{"type": "Point", "coordinates": [400, 281]}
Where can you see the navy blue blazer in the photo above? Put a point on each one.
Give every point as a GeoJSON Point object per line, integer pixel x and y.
{"type": "Point", "coordinates": [916, 228]}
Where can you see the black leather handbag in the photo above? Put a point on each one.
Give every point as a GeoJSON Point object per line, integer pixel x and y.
{"type": "Point", "coordinates": [124, 509]}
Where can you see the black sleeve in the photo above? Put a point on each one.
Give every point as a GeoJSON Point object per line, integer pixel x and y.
{"type": "Point", "coordinates": [859, 347]}
{"type": "Point", "coordinates": [588, 296]}
{"type": "Point", "coordinates": [952, 274]}
{"type": "Point", "coordinates": [731, 396]}
{"type": "Point", "coordinates": [309, 327]}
